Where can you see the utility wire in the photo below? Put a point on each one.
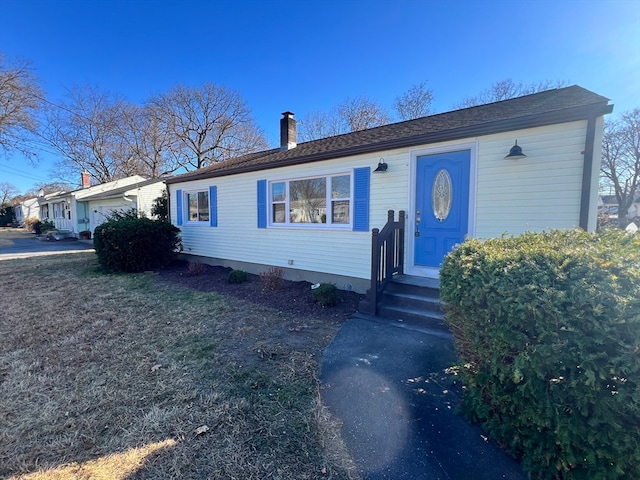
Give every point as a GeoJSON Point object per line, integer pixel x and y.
{"type": "Point", "coordinates": [20, 173]}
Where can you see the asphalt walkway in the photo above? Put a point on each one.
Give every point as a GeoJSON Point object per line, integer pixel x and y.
{"type": "Point", "coordinates": [15, 243]}
{"type": "Point", "coordinates": [389, 388]}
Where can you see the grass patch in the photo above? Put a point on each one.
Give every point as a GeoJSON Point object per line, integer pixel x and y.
{"type": "Point", "coordinates": [117, 376]}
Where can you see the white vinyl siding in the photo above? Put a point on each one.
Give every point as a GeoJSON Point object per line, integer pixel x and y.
{"type": "Point", "coordinates": [538, 192]}
{"type": "Point", "coordinates": [140, 199]}
{"type": "Point", "coordinates": [334, 251]}
{"type": "Point", "coordinates": [146, 195]}
{"type": "Point", "coordinates": [29, 208]}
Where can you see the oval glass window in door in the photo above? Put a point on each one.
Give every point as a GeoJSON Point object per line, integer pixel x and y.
{"type": "Point", "coordinates": [441, 195]}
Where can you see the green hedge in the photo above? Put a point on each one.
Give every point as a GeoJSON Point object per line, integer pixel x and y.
{"type": "Point", "coordinates": [129, 244]}
{"type": "Point", "coordinates": [547, 327]}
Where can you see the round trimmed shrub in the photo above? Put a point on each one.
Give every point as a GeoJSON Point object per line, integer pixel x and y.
{"type": "Point", "coordinates": [126, 243]}
{"type": "Point", "coordinates": [547, 328]}
{"type": "Point", "coordinates": [237, 276]}
{"type": "Point", "coordinates": [326, 295]}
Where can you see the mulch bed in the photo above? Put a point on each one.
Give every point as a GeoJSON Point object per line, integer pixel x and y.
{"type": "Point", "coordinates": [293, 297]}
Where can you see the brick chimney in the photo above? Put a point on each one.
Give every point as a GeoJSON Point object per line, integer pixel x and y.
{"type": "Point", "coordinates": [287, 131]}
{"type": "Point", "coordinates": [86, 179]}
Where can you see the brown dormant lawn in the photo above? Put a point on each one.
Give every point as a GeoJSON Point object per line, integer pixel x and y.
{"type": "Point", "coordinates": [109, 376]}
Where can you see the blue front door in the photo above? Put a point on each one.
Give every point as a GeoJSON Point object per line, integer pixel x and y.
{"type": "Point", "coordinates": [442, 205]}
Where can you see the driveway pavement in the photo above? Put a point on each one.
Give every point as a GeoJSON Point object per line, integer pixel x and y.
{"type": "Point", "coordinates": [388, 386]}
{"type": "Point", "coordinates": [15, 243]}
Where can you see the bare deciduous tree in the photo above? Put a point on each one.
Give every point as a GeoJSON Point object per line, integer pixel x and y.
{"type": "Point", "coordinates": [361, 113]}
{"type": "Point", "coordinates": [47, 188]}
{"type": "Point", "coordinates": [208, 123]}
{"type": "Point", "coordinates": [506, 89]}
{"type": "Point", "coordinates": [414, 103]}
{"type": "Point", "coordinates": [319, 124]}
{"type": "Point", "coordinates": [7, 192]}
{"type": "Point", "coordinates": [88, 132]}
{"type": "Point", "coordinates": [351, 115]}
{"type": "Point", "coordinates": [21, 98]}
{"type": "Point", "coordinates": [621, 159]}
{"type": "Point", "coordinates": [150, 144]}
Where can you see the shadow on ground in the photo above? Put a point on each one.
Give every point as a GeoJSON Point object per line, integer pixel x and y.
{"type": "Point", "coordinates": [389, 388]}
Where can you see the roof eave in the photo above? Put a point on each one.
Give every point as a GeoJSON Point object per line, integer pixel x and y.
{"type": "Point", "coordinates": [489, 128]}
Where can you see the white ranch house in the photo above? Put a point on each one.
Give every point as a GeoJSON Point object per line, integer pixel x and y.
{"type": "Point", "coordinates": [309, 208]}
{"type": "Point", "coordinates": [86, 208]}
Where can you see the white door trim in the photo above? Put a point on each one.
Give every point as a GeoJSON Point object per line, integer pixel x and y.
{"type": "Point", "coordinates": [410, 267]}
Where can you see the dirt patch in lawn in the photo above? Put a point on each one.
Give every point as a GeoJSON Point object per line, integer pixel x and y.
{"type": "Point", "coordinates": [291, 322]}
{"type": "Point", "coordinates": [162, 375]}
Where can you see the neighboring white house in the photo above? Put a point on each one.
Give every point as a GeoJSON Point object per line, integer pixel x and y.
{"type": "Point", "coordinates": [608, 205]}
{"type": "Point", "coordinates": [138, 196]}
{"type": "Point", "coordinates": [29, 208]}
{"type": "Point", "coordinates": [86, 208]}
{"type": "Point", "coordinates": [309, 208]}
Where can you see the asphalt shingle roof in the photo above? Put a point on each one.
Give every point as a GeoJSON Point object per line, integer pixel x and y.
{"type": "Point", "coordinates": [544, 108]}
{"type": "Point", "coordinates": [121, 190]}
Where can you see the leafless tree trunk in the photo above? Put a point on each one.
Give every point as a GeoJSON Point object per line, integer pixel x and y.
{"type": "Point", "coordinates": [621, 159]}
{"type": "Point", "coordinates": [21, 99]}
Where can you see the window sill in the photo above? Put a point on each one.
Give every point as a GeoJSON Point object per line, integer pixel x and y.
{"type": "Point", "coordinates": [310, 226]}
{"type": "Point", "coordinates": [196, 224]}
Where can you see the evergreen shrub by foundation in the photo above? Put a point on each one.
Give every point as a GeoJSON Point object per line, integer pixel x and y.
{"type": "Point", "coordinates": [547, 327]}
{"type": "Point", "coordinates": [127, 243]}
{"type": "Point", "coordinates": [237, 276]}
{"type": "Point", "coordinates": [326, 295]}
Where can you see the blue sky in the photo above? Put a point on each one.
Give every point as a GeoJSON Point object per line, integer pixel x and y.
{"type": "Point", "coordinates": [310, 55]}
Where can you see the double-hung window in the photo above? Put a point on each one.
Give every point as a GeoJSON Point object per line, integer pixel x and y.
{"type": "Point", "coordinates": [197, 206]}
{"type": "Point", "coordinates": [323, 200]}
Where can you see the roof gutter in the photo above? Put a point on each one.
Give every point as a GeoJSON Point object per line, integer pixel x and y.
{"type": "Point", "coordinates": [518, 123]}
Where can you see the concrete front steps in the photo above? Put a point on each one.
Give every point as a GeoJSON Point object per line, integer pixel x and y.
{"type": "Point", "coordinates": [414, 302]}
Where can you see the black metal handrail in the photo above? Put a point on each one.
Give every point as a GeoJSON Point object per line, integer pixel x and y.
{"type": "Point", "coordinates": [387, 256]}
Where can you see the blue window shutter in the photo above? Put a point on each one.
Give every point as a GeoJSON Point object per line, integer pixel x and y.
{"type": "Point", "coordinates": [179, 206]}
{"type": "Point", "coordinates": [361, 199]}
{"type": "Point", "coordinates": [262, 204]}
{"type": "Point", "coordinates": [213, 206]}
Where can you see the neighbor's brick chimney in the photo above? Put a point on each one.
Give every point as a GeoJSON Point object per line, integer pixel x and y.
{"type": "Point", "coordinates": [86, 179]}
{"type": "Point", "coordinates": [287, 131]}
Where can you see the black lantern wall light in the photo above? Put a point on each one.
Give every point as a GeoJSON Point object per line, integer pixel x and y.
{"type": "Point", "coordinates": [382, 166]}
{"type": "Point", "coordinates": [515, 153]}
